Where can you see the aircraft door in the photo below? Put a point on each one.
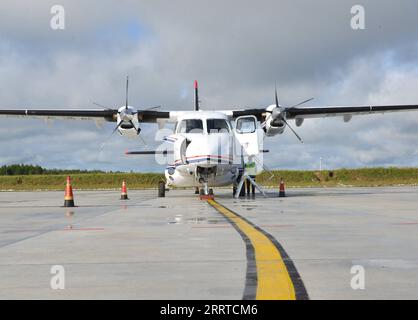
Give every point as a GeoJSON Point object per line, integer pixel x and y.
{"type": "Point", "coordinates": [247, 136]}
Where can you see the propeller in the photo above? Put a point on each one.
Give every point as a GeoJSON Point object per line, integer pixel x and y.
{"type": "Point", "coordinates": [277, 114]}
{"type": "Point", "coordinates": [126, 114]}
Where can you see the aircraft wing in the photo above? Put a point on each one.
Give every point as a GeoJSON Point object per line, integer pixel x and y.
{"type": "Point", "coordinates": [321, 112]}
{"type": "Point", "coordinates": [79, 114]}
{"type": "Point", "coordinates": [154, 116]}
{"type": "Point", "coordinates": [82, 114]}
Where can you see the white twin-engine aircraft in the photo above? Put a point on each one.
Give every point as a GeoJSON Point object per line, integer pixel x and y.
{"type": "Point", "coordinates": [210, 148]}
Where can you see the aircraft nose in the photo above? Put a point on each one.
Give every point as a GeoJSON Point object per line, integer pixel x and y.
{"type": "Point", "coordinates": [213, 147]}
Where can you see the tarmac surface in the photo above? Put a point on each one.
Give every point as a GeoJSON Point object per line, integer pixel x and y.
{"type": "Point", "coordinates": [180, 247]}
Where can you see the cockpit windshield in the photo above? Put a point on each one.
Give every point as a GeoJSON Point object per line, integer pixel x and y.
{"type": "Point", "coordinates": [217, 126]}
{"type": "Point", "coordinates": [190, 126]}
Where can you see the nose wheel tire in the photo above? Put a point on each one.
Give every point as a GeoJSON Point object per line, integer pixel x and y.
{"type": "Point", "coordinates": [202, 192]}
{"type": "Point", "coordinates": [161, 189]}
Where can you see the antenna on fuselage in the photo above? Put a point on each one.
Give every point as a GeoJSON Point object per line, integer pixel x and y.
{"type": "Point", "coordinates": [196, 96]}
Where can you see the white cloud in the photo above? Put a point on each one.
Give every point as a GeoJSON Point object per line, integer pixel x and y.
{"type": "Point", "coordinates": [236, 49]}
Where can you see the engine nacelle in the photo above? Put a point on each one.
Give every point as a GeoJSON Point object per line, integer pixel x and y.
{"type": "Point", "coordinates": [274, 125]}
{"type": "Point", "coordinates": [128, 124]}
{"type": "Point", "coordinates": [128, 130]}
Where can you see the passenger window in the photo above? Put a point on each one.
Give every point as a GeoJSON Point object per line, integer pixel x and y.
{"type": "Point", "coordinates": [246, 125]}
{"type": "Point", "coordinates": [217, 125]}
{"type": "Point", "coordinates": [190, 126]}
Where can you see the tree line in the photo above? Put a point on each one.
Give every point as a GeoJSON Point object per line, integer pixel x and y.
{"type": "Point", "coordinates": [28, 169]}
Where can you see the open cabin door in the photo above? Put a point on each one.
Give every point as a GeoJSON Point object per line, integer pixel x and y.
{"type": "Point", "coordinates": [248, 147]}
{"type": "Point", "coordinates": [246, 134]}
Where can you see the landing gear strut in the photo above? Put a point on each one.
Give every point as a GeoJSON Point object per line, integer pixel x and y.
{"type": "Point", "coordinates": [206, 190]}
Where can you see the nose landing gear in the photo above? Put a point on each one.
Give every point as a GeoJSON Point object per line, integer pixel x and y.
{"type": "Point", "coordinates": [203, 173]}
{"type": "Point", "coordinates": [206, 193]}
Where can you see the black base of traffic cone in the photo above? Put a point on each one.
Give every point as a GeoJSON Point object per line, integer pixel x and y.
{"type": "Point", "coordinates": [282, 194]}
{"type": "Point", "coordinates": [124, 197]}
{"type": "Point", "coordinates": [69, 203]}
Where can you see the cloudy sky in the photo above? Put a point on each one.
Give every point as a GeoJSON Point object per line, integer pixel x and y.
{"type": "Point", "coordinates": [236, 49]}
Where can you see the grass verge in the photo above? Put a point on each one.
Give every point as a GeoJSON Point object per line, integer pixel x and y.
{"type": "Point", "coordinates": [368, 177]}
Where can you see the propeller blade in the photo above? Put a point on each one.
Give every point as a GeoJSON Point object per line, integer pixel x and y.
{"type": "Point", "coordinates": [127, 87]}
{"type": "Point", "coordinates": [139, 112]}
{"type": "Point", "coordinates": [140, 136]}
{"type": "Point", "coordinates": [117, 127]}
{"type": "Point", "coordinates": [102, 145]}
{"type": "Point", "coordinates": [297, 136]}
{"type": "Point", "coordinates": [102, 106]}
{"type": "Point", "coordinates": [275, 94]}
{"type": "Point", "coordinates": [152, 108]}
{"type": "Point", "coordinates": [300, 103]}
{"type": "Point", "coordinates": [143, 140]}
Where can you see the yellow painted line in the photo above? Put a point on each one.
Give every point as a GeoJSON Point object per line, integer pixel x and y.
{"type": "Point", "coordinates": [273, 279]}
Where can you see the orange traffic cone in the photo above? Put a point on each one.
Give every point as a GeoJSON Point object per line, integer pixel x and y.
{"type": "Point", "coordinates": [68, 197]}
{"type": "Point", "coordinates": [124, 193]}
{"type": "Point", "coordinates": [281, 192]}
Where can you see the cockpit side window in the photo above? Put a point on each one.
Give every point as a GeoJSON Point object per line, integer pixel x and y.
{"type": "Point", "coordinates": [190, 126]}
{"type": "Point", "coordinates": [217, 126]}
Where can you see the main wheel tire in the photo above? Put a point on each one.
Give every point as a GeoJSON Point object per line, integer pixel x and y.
{"type": "Point", "coordinates": [161, 189]}
{"type": "Point", "coordinates": [211, 191]}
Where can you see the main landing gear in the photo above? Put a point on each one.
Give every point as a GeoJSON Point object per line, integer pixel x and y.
{"type": "Point", "coordinates": [161, 189]}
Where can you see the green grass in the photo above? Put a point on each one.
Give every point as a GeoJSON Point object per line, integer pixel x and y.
{"type": "Point", "coordinates": [80, 181]}
{"type": "Point", "coordinates": [365, 177]}
{"type": "Point", "coordinates": [293, 178]}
